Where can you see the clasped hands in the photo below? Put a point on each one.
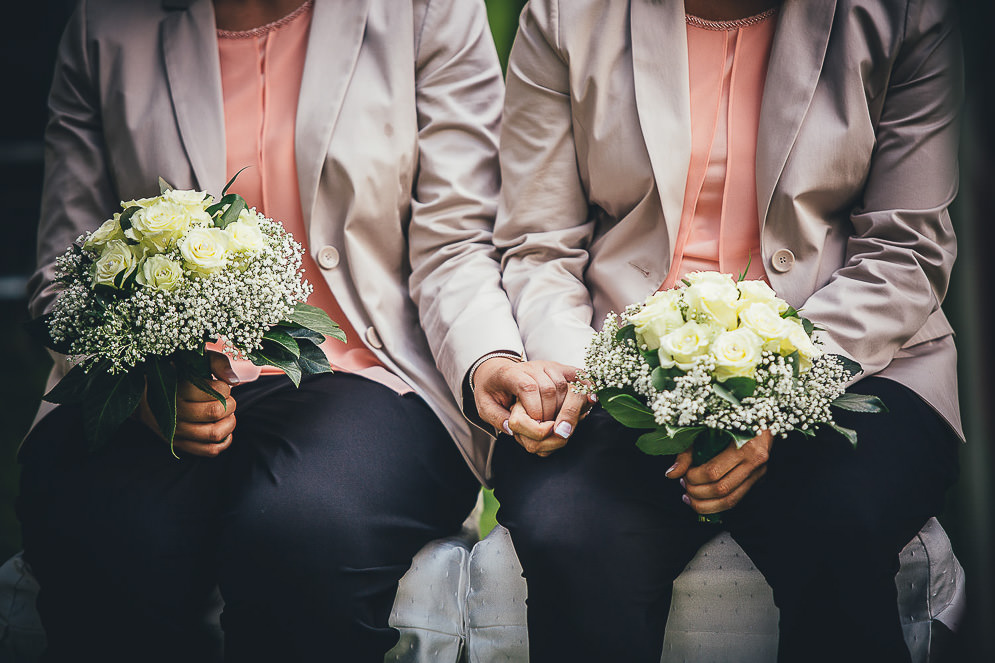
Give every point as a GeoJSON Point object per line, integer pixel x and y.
{"type": "Point", "coordinates": [534, 403]}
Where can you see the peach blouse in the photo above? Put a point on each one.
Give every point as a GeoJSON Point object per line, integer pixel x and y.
{"type": "Point", "coordinates": [261, 71]}
{"type": "Point", "coordinates": [720, 228]}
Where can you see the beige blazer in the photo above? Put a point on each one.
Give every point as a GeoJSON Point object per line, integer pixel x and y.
{"type": "Point", "coordinates": [856, 166]}
{"type": "Point", "coordinates": [396, 157]}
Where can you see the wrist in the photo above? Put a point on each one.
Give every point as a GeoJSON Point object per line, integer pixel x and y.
{"type": "Point", "coordinates": [488, 363]}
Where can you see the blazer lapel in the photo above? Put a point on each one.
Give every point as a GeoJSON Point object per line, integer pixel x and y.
{"type": "Point", "coordinates": [663, 99]}
{"type": "Point", "coordinates": [190, 51]}
{"type": "Point", "coordinates": [333, 46]}
{"type": "Point", "coordinates": [796, 60]}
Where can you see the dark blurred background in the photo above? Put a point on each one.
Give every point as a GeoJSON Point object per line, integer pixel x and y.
{"type": "Point", "coordinates": [28, 51]}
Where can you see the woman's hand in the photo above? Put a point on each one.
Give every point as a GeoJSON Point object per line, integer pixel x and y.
{"type": "Point", "coordinates": [722, 482]}
{"type": "Point", "coordinates": [540, 386]}
{"type": "Point", "coordinates": [544, 437]}
{"type": "Point", "coordinates": [203, 425]}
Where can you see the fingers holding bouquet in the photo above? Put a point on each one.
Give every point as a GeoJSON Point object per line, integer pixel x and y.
{"type": "Point", "coordinates": [204, 425]}
{"type": "Point", "coordinates": [719, 484]}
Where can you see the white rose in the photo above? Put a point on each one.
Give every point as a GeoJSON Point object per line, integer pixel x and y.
{"type": "Point", "coordinates": [116, 257]}
{"type": "Point", "coordinates": [763, 319]}
{"type": "Point", "coordinates": [797, 340]}
{"type": "Point", "coordinates": [194, 202]}
{"type": "Point", "coordinates": [736, 353]}
{"type": "Point", "coordinates": [159, 226]}
{"type": "Point", "coordinates": [205, 250]}
{"type": "Point", "coordinates": [685, 344]}
{"type": "Point", "coordinates": [188, 198]}
{"type": "Point", "coordinates": [659, 316]}
{"type": "Point", "coordinates": [160, 273]}
{"type": "Point", "coordinates": [140, 202]}
{"type": "Point", "coordinates": [712, 297]}
{"type": "Point", "coordinates": [245, 236]}
{"type": "Point", "coordinates": [751, 292]}
{"type": "Point", "coordinates": [108, 230]}
{"type": "Point", "coordinates": [250, 216]}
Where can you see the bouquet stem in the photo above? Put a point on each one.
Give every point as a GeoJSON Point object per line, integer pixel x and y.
{"type": "Point", "coordinates": [707, 446]}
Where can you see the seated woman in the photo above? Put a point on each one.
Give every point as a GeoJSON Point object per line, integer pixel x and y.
{"type": "Point", "coordinates": [370, 129]}
{"type": "Point", "coordinates": [814, 143]}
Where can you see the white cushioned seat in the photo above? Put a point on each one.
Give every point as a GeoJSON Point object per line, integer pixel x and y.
{"type": "Point", "coordinates": [465, 603]}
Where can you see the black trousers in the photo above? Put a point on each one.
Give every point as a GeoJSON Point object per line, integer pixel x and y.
{"type": "Point", "coordinates": [306, 523]}
{"type": "Point", "coordinates": [602, 534]}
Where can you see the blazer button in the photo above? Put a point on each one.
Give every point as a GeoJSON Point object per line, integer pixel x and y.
{"type": "Point", "coordinates": [373, 338]}
{"type": "Point", "coordinates": [328, 257]}
{"type": "Point", "coordinates": [782, 260]}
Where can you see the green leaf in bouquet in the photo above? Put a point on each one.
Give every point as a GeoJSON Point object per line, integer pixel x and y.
{"type": "Point", "coordinates": [125, 219]}
{"type": "Point", "coordinates": [626, 332]}
{"type": "Point", "coordinates": [808, 326]}
{"type": "Point", "coordinates": [302, 333]}
{"type": "Point", "coordinates": [230, 215]}
{"type": "Point", "coordinates": [312, 359]}
{"type": "Point", "coordinates": [740, 387]}
{"type": "Point", "coordinates": [742, 274]}
{"type": "Point", "coordinates": [160, 390]}
{"type": "Point", "coordinates": [629, 411]}
{"type": "Point", "coordinates": [741, 437]}
{"type": "Point", "coordinates": [725, 394]}
{"type": "Point", "coordinates": [283, 339]}
{"type": "Point", "coordinates": [859, 403]}
{"type": "Point", "coordinates": [108, 401]}
{"type": "Point", "coordinates": [849, 365]}
{"type": "Point", "coordinates": [794, 360]}
{"type": "Point", "coordinates": [232, 180]}
{"type": "Point", "coordinates": [652, 357]}
{"type": "Point", "coordinates": [666, 441]}
{"type": "Point", "coordinates": [317, 320]}
{"type": "Point", "coordinates": [205, 386]}
{"type": "Point", "coordinates": [791, 312]}
{"type": "Point", "coordinates": [164, 186]}
{"type": "Point", "coordinates": [195, 367]}
{"type": "Point", "coordinates": [662, 379]}
{"type": "Point", "coordinates": [271, 354]}
{"type": "Point", "coordinates": [70, 388]}
{"type": "Point", "coordinates": [125, 280]}
{"type": "Point", "coordinates": [221, 204]}
{"type": "Point", "coordinates": [848, 433]}
{"type": "Point", "coordinates": [708, 444]}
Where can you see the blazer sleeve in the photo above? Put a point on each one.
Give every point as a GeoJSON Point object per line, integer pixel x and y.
{"type": "Point", "coordinates": [455, 279]}
{"type": "Point", "coordinates": [543, 227]}
{"type": "Point", "coordinates": [77, 194]}
{"type": "Point", "coordinates": [899, 257]}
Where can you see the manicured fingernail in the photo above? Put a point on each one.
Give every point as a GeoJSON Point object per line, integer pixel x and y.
{"type": "Point", "coordinates": [563, 429]}
{"type": "Point", "coordinates": [506, 427]}
{"type": "Point", "coordinates": [672, 468]}
{"type": "Point", "coordinates": [593, 398]}
{"type": "Point", "coordinates": [686, 499]}
{"type": "Point", "coordinates": [231, 377]}
{"type": "Point", "coordinates": [683, 485]}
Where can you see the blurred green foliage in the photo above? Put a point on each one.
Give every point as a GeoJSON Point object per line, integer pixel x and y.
{"type": "Point", "coordinates": [503, 17]}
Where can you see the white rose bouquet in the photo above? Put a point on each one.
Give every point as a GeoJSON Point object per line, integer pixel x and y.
{"type": "Point", "coordinates": [716, 361]}
{"type": "Point", "coordinates": [144, 293]}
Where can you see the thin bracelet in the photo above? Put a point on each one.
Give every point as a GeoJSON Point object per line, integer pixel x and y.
{"type": "Point", "coordinates": [492, 355]}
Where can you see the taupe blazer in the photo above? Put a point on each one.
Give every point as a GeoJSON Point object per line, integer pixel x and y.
{"type": "Point", "coordinates": [856, 166]}
{"type": "Point", "coordinates": [396, 157]}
